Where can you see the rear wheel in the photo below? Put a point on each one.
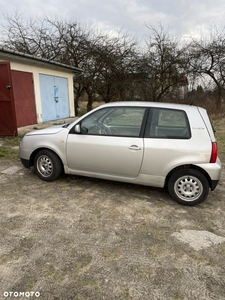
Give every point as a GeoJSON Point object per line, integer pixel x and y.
{"type": "Point", "coordinates": [188, 187]}
{"type": "Point", "coordinates": [47, 165]}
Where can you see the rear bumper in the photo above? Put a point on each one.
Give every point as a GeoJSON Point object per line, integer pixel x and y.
{"type": "Point", "coordinates": [214, 172]}
{"type": "Point", "coordinates": [214, 184]}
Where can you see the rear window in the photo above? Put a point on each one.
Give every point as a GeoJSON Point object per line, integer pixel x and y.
{"type": "Point", "coordinates": [167, 123]}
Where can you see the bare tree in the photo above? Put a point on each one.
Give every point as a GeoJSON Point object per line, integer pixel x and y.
{"type": "Point", "coordinates": [34, 37]}
{"type": "Point", "coordinates": [115, 58]}
{"type": "Point", "coordinates": [207, 59]}
{"type": "Point", "coordinates": [161, 66]}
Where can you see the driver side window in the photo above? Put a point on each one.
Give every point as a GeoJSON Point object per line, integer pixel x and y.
{"type": "Point", "coordinates": [92, 124]}
{"type": "Point", "coordinates": [114, 121]}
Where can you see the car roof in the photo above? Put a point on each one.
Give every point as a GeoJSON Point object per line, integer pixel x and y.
{"type": "Point", "coordinates": [150, 104]}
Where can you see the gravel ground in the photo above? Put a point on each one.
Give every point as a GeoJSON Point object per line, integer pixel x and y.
{"type": "Point", "coordinates": [81, 238]}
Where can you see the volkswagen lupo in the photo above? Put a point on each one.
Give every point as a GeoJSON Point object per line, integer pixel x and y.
{"type": "Point", "coordinates": [147, 143]}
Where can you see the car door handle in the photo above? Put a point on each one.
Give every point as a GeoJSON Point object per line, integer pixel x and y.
{"type": "Point", "coordinates": [134, 147]}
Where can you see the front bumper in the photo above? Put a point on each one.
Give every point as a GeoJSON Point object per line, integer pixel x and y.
{"type": "Point", "coordinates": [25, 162]}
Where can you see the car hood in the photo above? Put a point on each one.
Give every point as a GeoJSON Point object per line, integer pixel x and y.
{"type": "Point", "coordinates": [49, 130]}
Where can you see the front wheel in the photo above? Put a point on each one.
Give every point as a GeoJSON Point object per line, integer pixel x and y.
{"type": "Point", "coordinates": [188, 187]}
{"type": "Point", "coordinates": [47, 165]}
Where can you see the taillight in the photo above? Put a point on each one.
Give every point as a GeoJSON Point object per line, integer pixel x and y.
{"type": "Point", "coordinates": [214, 152]}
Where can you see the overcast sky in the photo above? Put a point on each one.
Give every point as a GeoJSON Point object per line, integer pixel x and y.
{"type": "Point", "coordinates": [179, 17]}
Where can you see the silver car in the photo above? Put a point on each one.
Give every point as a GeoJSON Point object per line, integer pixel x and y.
{"type": "Point", "coordinates": [154, 144]}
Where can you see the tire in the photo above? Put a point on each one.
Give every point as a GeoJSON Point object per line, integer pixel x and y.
{"type": "Point", "coordinates": [188, 187]}
{"type": "Point", "coordinates": [47, 165]}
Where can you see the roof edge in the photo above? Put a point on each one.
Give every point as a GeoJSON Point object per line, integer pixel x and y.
{"type": "Point", "coordinates": [38, 59]}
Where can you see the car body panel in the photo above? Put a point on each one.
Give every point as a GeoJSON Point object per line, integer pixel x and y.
{"type": "Point", "coordinates": [207, 123]}
{"type": "Point", "coordinates": [42, 139]}
{"type": "Point", "coordinates": [106, 155]}
{"type": "Point", "coordinates": [163, 155]}
{"type": "Point", "coordinates": [50, 130]}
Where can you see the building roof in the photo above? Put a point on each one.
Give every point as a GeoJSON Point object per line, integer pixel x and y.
{"type": "Point", "coordinates": [27, 58]}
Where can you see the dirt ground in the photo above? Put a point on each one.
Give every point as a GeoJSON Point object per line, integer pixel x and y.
{"type": "Point", "coordinates": [84, 239]}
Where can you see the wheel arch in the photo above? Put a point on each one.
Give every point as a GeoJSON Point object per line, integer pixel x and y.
{"type": "Point", "coordinates": [190, 166]}
{"type": "Point", "coordinates": [40, 149]}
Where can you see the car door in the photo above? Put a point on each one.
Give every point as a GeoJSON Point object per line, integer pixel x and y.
{"type": "Point", "coordinates": [109, 143]}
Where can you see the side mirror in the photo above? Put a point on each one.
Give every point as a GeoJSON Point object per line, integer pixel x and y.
{"type": "Point", "coordinates": [77, 128]}
{"type": "Point", "coordinates": [80, 129]}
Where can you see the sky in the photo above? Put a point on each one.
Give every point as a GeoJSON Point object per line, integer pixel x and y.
{"type": "Point", "coordinates": [180, 18]}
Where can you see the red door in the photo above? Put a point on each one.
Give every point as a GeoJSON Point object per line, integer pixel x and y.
{"type": "Point", "coordinates": [8, 125]}
{"type": "Point", "coordinates": [24, 101]}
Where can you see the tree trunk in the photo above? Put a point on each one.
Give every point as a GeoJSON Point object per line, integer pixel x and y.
{"type": "Point", "coordinates": [219, 100]}
{"type": "Point", "coordinates": [107, 99]}
{"type": "Point", "coordinates": [76, 106]}
{"type": "Point", "coordinates": [89, 104]}
{"type": "Point", "coordinates": [108, 95]}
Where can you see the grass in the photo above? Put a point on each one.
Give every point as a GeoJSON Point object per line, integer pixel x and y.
{"type": "Point", "coordinates": [178, 296]}
{"type": "Point", "coordinates": [111, 254]}
{"type": "Point", "coordinates": [13, 141]}
{"type": "Point", "coordinates": [10, 147]}
{"type": "Point", "coordinates": [81, 112]}
{"type": "Point", "coordinates": [8, 153]}
{"type": "Point", "coordinates": [220, 137]}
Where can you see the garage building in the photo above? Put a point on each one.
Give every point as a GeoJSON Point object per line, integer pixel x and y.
{"type": "Point", "coordinates": [33, 90]}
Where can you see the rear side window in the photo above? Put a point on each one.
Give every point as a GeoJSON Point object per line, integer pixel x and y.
{"type": "Point", "coordinates": [167, 123]}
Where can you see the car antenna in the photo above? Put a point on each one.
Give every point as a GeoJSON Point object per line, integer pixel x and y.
{"type": "Point", "coordinates": [193, 101]}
